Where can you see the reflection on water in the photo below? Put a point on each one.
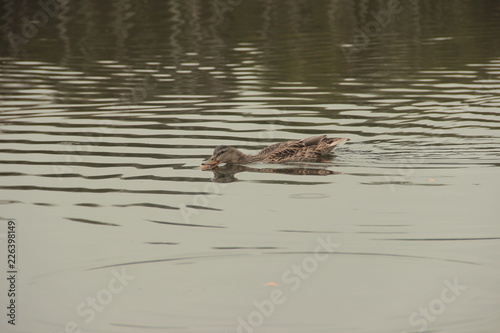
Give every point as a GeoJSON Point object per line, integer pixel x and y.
{"type": "Point", "coordinates": [226, 174]}
{"type": "Point", "coordinates": [107, 110]}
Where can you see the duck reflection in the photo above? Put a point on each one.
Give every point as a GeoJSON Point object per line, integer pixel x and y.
{"type": "Point", "coordinates": [226, 173]}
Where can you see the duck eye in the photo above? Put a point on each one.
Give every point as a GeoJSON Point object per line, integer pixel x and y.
{"type": "Point", "coordinates": [220, 150]}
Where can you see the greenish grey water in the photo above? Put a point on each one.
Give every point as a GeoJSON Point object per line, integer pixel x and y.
{"type": "Point", "coordinates": [107, 110]}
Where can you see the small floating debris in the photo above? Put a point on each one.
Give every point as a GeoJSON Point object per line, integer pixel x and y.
{"type": "Point", "coordinates": [308, 195]}
{"type": "Point", "coordinates": [205, 167]}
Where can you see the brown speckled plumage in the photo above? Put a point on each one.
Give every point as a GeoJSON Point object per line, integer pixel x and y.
{"type": "Point", "coordinates": [303, 150]}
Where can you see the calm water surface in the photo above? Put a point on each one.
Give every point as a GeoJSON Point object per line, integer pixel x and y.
{"type": "Point", "coordinates": [108, 109]}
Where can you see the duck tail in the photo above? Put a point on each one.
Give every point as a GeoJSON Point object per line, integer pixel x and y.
{"type": "Point", "coordinates": [330, 143]}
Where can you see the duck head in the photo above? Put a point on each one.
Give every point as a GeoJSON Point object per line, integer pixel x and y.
{"type": "Point", "coordinates": [225, 154]}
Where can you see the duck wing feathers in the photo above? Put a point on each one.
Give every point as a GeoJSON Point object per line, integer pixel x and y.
{"type": "Point", "coordinates": [308, 149]}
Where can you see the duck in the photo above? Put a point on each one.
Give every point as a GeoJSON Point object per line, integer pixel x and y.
{"type": "Point", "coordinates": [302, 150]}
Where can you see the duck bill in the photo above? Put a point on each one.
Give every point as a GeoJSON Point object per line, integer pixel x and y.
{"type": "Point", "coordinates": [210, 163]}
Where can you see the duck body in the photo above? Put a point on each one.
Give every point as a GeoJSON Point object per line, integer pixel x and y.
{"type": "Point", "coordinates": [303, 150]}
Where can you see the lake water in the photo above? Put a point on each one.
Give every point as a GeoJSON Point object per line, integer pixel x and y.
{"type": "Point", "coordinates": [107, 110]}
